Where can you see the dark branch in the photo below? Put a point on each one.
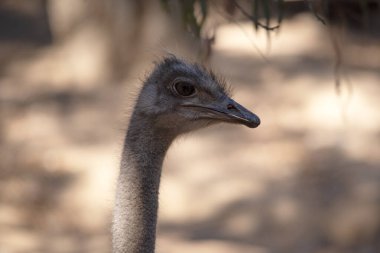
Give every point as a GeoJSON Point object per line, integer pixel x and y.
{"type": "Point", "coordinates": [254, 19]}
{"type": "Point", "coordinates": [312, 9]}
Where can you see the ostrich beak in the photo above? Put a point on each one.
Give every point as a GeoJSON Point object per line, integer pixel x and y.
{"type": "Point", "coordinates": [241, 115]}
{"type": "Point", "coordinates": [228, 111]}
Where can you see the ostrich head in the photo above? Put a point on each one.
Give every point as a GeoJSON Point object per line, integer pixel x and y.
{"type": "Point", "coordinates": [182, 97]}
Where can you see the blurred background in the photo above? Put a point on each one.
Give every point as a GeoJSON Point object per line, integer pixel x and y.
{"type": "Point", "coordinates": [306, 180]}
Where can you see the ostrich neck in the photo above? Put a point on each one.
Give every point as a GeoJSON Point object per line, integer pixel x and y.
{"type": "Point", "coordinates": [135, 214]}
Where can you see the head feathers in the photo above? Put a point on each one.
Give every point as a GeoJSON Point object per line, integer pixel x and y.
{"type": "Point", "coordinates": [176, 66]}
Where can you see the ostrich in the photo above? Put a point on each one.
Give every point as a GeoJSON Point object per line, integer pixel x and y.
{"type": "Point", "coordinates": [177, 97]}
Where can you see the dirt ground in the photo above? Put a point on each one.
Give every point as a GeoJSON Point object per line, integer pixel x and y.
{"type": "Point", "coordinates": [306, 180]}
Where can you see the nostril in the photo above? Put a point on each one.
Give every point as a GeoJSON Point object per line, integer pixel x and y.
{"type": "Point", "coordinates": [231, 107]}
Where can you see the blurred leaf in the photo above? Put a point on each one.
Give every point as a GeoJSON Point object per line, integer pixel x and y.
{"type": "Point", "coordinates": [204, 9]}
{"type": "Point", "coordinates": [255, 11]}
{"type": "Point", "coordinates": [267, 15]}
{"type": "Point", "coordinates": [165, 5]}
{"type": "Point", "coordinates": [280, 10]}
{"type": "Point", "coordinates": [189, 18]}
{"type": "Point", "coordinates": [267, 11]}
{"type": "Point", "coordinates": [314, 11]}
{"type": "Point", "coordinates": [365, 10]}
{"type": "Point", "coordinates": [253, 18]}
{"type": "Point", "coordinates": [229, 7]}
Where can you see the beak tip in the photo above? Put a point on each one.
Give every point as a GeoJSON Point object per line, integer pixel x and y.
{"type": "Point", "coordinates": [254, 122]}
{"type": "Point", "coordinates": [243, 115]}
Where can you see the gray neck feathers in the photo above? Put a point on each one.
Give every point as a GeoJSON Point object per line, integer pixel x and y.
{"type": "Point", "coordinates": [135, 214]}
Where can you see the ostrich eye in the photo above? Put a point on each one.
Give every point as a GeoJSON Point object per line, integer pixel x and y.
{"type": "Point", "coordinates": [184, 89]}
